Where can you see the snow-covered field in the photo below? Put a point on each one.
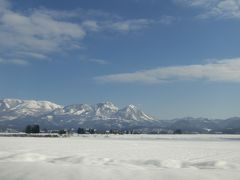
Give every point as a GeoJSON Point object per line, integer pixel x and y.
{"type": "Point", "coordinates": [118, 157]}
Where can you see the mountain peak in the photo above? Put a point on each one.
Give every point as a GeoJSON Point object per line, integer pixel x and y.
{"type": "Point", "coordinates": [132, 106]}
{"type": "Point", "coordinates": [14, 108]}
{"type": "Point", "coordinates": [131, 112]}
{"type": "Point", "coordinates": [106, 105]}
{"type": "Point", "coordinates": [105, 109]}
{"type": "Point", "coordinates": [76, 109]}
{"type": "Point", "coordinates": [11, 103]}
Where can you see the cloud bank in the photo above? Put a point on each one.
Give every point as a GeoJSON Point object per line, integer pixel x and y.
{"type": "Point", "coordinates": [37, 34]}
{"type": "Point", "coordinates": [226, 70]}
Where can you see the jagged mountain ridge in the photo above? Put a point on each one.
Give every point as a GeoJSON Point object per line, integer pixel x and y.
{"type": "Point", "coordinates": [47, 114]}
{"type": "Point", "coordinates": [101, 111]}
{"type": "Point", "coordinates": [16, 114]}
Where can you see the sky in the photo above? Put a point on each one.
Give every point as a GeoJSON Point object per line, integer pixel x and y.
{"type": "Point", "coordinates": [171, 58]}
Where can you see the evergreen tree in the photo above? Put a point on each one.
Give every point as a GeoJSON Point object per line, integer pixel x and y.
{"type": "Point", "coordinates": [91, 131]}
{"type": "Point", "coordinates": [32, 129]}
{"type": "Point", "coordinates": [178, 131]}
{"type": "Point", "coordinates": [62, 132]}
{"type": "Point", "coordinates": [81, 131]}
{"type": "Point", "coordinates": [28, 129]}
{"type": "Point", "coordinates": [35, 129]}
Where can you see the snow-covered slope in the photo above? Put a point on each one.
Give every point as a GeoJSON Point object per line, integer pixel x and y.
{"type": "Point", "coordinates": [77, 109]}
{"type": "Point", "coordinates": [104, 110]}
{"type": "Point", "coordinates": [14, 108]}
{"type": "Point", "coordinates": [131, 112]}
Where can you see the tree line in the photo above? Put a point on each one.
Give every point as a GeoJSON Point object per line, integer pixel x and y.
{"type": "Point", "coordinates": [35, 128]}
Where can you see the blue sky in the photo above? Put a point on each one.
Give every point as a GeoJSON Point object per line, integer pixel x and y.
{"type": "Point", "coordinates": [172, 58]}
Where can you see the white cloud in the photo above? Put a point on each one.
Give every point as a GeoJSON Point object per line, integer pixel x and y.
{"type": "Point", "coordinates": [129, 25]}
{"type": "Point", "coordinates": [124, 25]}
{"type": "Point", "coordinates": [38, 29]}
{"type": "Point", "coordinates": [202, 3]}
{"type": "Point", "coordinates": [137, 24]}
{"type": "Point", "coordinates": [38, 34]}
{"type": "Point", "coordinates": [216, 8]}
{"type": "Point", "coordinates": [167, 19]}
{"type": "Point", "coordinates": [227, 70]}
{"type": "Point", "coordinates": [99, 61]}
{"type": "Point", "coordinates": [91, 25]}
{"type": "Point", "coordinates": [34, 34]}
{"type": "Point", "coordinates": [32, 55]}
{"type": "Point", "coordinates": [14, 62]}
{"type": "Point", "coordinates": [86, 59]}
{"type": "Point", "coordinates": [3, 5]}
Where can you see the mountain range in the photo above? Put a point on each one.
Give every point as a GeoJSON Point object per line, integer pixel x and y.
{"type": "Point", "coordinates": [16, 114]}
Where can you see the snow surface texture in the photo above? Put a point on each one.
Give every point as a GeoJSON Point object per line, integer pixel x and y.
{"type": "Point", "coordinates": [101, 157]}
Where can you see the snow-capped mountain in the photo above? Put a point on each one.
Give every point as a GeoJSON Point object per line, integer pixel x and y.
{"type": "Point", "coordinates": [104, 110]}
{"type": "Point", "coordinates": [77, 109]}
{"type": "Point", "coordinates": [15, 108]}
{"type": "Point", "coordinates": [133, 113]}
{"type": "Point", "coordinates": [22, 112]}
{"type": "Point", "coordinates": [97, 111]}
{"type": "Point", "coordinates": [16, 114]}
{"type": "Point", "coordinates": [100, 111]}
